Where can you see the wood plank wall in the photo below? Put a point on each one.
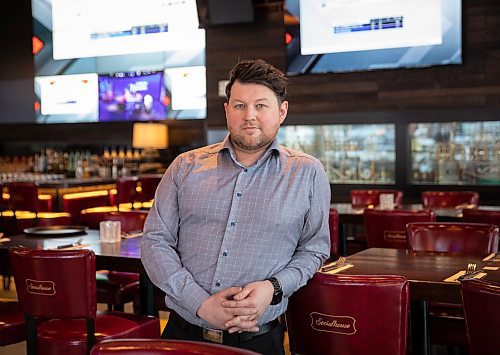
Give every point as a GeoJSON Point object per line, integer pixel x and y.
{"type": "Point", "coordinates": [437, 92]}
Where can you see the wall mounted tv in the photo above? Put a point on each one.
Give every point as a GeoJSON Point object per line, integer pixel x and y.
{"type": "Point", "coordinates": [359, 35]}
{"type": "Point", "coordinates": [102, 61]}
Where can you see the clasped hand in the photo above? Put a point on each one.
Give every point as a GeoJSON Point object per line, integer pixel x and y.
{"type": "Point", "coordinates": [237, 309]}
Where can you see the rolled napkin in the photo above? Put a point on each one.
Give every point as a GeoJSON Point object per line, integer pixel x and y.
{"type": "Point", "coordinates": [458, 275]}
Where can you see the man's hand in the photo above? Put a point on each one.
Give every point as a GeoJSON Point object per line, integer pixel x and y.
{"type": "Point", "coordinates": [256, 295]}
{"type": "Point", "coordinates": [212, 310]}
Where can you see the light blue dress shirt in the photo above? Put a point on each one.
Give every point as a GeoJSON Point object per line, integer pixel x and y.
{"type": "Point", "coordinates": [216, 223]}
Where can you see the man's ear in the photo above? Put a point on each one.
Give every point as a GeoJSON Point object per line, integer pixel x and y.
{"type": "Point", "coordinates": [283, 111]}
{"type": "Point", "coordinates": [225, 108]}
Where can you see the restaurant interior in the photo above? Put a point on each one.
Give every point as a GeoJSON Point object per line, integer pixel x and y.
{"type": "Point", "coordinates": [399, 101]}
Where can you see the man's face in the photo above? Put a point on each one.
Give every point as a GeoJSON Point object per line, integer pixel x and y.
{"type": "Point", "coordinates": [253, 116]}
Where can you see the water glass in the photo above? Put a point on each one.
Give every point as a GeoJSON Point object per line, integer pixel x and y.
{"type": "Point", "coordinates": [110, 231]}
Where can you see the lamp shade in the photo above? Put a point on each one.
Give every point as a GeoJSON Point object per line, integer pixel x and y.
{"type": "Point", "coordinates": [150, 135]}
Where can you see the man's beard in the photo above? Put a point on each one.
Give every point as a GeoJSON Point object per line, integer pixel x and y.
{"type": "Point", "coordinates": [259, 142]}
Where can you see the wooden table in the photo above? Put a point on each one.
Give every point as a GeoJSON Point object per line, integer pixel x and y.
{"type": "Point", "coordinates": [124, 256]}
{"type": "Point", "coordinates": [354, 215]}
{"type": "Point", "coordinates": [425, 272]}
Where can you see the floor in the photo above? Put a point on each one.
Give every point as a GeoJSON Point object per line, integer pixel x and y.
{"type": "Point", "coordinates": [20, 348]}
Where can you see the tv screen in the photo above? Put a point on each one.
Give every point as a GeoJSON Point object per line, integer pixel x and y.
{"type": "Point", "coordinates": [358, 35]}
{"type": "Point", "coordinates": [101, 61]}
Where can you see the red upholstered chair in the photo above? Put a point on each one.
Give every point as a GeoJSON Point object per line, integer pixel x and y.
{"type": "Point", "coordinates": [387, 228]}
{"type": "Point", "coordinates": [333, 224]}
{"type": "Point", "coordinates": [473, 215]}
{"type": "Point", "coordinates": [159, 347]}
{"type": "Point", "coordinates": [446, 320]}
{"type": "Point", "coordinates": [126, 191]}
{"type": "Point", "coordinates": [481, 300]}
{"type": "Point", "coordinates": [464, 238]}
{"type": "Point", "coordinates": [449, 199]}
{"type": "Point", "coordinates": [148, 185]}
{"type": "Point", "coordinates": [341, 314]}
{"type": "Point", "coordinates": [12, 327]}
{"type": "Point", "coordinates": [59, 287]}
{"type": "Point", "coordinates": [371, 198]}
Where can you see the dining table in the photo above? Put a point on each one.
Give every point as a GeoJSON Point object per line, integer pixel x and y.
{"type": "Point", "coordinates": [349, 214]}
{"type": "Point", "coordinates": [119, 256]}
{"type": "Point", "coordinates": [432, 276]}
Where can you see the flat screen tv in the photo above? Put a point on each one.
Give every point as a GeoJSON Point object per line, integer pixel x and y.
{"type": "Point", "coordinates": [102, 61]}
{"type": "Point", "coordinates": [358, 35]}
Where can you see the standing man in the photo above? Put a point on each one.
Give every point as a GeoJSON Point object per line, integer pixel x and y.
{"type": "Point", "coordinates": [238, 226]}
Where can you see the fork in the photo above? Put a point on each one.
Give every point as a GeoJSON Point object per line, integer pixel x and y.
{"type": "Point", "coordinates": [337, 264]}
{"type": "Point", "coordinates": [471, 269]}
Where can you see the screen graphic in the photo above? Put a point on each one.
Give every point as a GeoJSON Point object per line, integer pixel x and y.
{"type": "Point", "coordinates": [357, 35]}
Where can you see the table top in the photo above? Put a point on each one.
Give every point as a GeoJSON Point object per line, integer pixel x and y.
{"type": "Point", "coordinates": [123, 256]}
{"type": "Point", "coordinates": [346, 211]}
{"type": "Point", "coordinates": [426, 271]}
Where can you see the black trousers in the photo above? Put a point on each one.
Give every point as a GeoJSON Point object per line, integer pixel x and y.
{"type": "Point", "coordinates": [270, 343]}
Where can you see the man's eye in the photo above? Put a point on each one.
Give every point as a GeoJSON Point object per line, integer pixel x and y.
{"type": "Point", "coordinates": [239, 106]}
{"type": "Point", "coordinates": [261, 105]}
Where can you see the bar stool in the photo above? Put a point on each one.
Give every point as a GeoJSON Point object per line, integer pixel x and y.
{"type": "Point", "coordinates": [74, 203]}
{"type": "Point", "coordinates": [126, 192]}
{"type": "Point", "coordinates": [147, 185]}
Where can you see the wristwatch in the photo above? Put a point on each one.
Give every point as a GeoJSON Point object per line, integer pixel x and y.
{"type": "Point", "coordinates": [278, 292]}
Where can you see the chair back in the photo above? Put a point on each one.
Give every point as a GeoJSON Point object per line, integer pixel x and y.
{"type": "Point", "coordinates": [55, 283]}
{"type": "Point", "coordinates": [371, 198]}
{"type": "Point", "coordinates": [464, 238]}
{"type": "Point", "coordinates": [333, 224]}
{"type": "Point", "coordinates": [129, 220]}
{"type": "Point", "coordinates": [449, 199]}
{"type": "Point", "coordinates": [148, 184]}
{"type": "Point", "coordinates": [23, 196]}
{"type": "Point", "coordinates": [473, 215]}
{"type": "Point", "coordinates": [341, 314]}
{"type": "Point", "coordinates": [481, 300]}
{"type": "Point", "coordinates": [158, 347]}
{"type": "Point", "coordinates": [126, 190]}
{"type": "Point", "coordinates": [387, 228]}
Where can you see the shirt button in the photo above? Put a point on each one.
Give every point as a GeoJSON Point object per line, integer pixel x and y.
{"type": "Point", "coordinates": [232, 223]}
{"type": "Point", "coordinates": [245, 170]}
{"type": "Point", "coordinates": [238, 194]}
{"type": "Point", "coordinates": [217, 284]}
{"type": "Point", "coordinates": [224, 254]}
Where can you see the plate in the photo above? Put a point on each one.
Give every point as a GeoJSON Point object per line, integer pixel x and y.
{"type": "Point", "coordinates": [55, 231]}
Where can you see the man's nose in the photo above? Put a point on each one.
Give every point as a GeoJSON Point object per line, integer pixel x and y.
{"type": "Point", "coordinates": [250, 113]}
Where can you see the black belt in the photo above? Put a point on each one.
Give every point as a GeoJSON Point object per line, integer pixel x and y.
{"type": "Point", "coordinates": [220, 336]}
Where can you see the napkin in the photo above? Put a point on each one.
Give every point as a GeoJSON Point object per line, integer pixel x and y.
{"type": "Point", "coordinates": [492, 257]}
{"type": "Point", "coordinates": [338, 269]}
{"type": "Point", "coordinates": [454, 278]}
{"type": "Point", "coordinates": [132, 235]}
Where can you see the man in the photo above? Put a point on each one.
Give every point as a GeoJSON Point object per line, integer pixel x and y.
{"type": "Point", "coordinates": [238, 226]}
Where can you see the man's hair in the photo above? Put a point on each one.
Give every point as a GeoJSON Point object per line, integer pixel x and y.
{"type": "Point", "coordinates": [258, 71]}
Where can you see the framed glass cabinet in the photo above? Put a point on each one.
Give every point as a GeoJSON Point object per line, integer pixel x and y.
{"type": "Point", "coordinates": [350, 153]}
{"type": "Point", "coordinates": [455, 153]}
